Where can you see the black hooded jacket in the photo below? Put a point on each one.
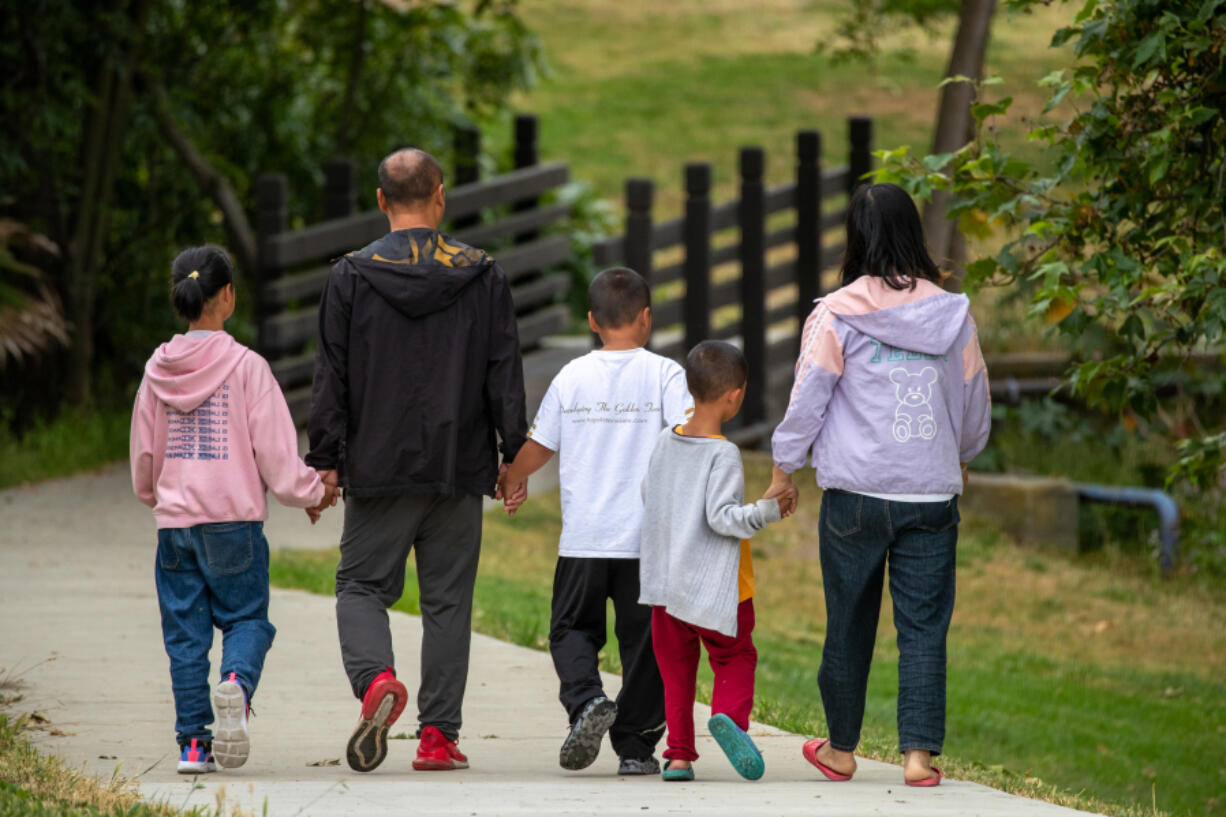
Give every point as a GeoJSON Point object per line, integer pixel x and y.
{"type": "Point", "coordinates": [418, 370]}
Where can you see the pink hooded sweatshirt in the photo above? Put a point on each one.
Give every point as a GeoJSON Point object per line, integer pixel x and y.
{"type": "Point", "coordinates": [211, 434]}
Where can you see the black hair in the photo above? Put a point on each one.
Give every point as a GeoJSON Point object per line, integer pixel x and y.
{"type": "Point", "coordinates": [712, 368]}
{"type": "Point", "coordinates": [885, 238]}
{"type": "Point", "coordinates": [409, 176]}
{"type": "Point", "coordinates": [616, 297]}
{"type": "Point", "coordinates": [198, 274]}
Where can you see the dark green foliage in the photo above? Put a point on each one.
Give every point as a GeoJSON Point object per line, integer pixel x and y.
{"type": "Point", "coordinates": [1120, 238]}
{"type": "Point", "coordinates": [255, 86]}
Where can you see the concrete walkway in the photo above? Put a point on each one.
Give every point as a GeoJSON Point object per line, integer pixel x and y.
{"type": "Point", "coordinates": [79, 623]}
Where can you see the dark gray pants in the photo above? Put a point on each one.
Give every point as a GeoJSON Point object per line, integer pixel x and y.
{"type": "Point", "coordinates": [444, 533]}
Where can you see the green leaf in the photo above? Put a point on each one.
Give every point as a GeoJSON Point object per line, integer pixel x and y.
{"type": "Point", "coordinates": [937, 162]}
{"type": "Point", "coordinates": [1152, 46]}
{"type": "Point", "coordinates": [983, 110]}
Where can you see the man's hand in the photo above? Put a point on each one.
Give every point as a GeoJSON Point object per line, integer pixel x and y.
{"type": "Point", "coordinates": [784, 490]}
{"type": "Point", "coordinates": [966, 477]}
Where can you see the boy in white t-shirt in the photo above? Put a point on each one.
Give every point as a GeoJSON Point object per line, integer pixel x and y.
{"type": "Point", "coordinates": [603, 413]}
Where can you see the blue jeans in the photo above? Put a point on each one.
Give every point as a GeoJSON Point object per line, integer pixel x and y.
{"type": "Point", "coordinates": [919, 539]}
{"type": "Point", "coordinates": [212, 576]}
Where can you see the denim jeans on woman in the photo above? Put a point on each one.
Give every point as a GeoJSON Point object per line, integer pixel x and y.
{"type": "Point", "coordinates": [859, 535]}
{"type": "Point", "coordinates": [212, 576]}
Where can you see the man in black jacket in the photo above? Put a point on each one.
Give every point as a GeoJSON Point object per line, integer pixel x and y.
{"type": "Point", "coordinates": [417, 376]}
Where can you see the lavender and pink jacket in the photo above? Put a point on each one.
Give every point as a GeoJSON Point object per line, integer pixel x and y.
{"type": "Point", "coordinates": [211, 434]}
{"type": "Point", "coordinates": [891, 391]}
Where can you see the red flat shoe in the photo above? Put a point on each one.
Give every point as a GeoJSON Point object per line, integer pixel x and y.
{"type": "Point", "coordinates": [927, 782]}
{"type": "Point", "coordinates": [810, 753]}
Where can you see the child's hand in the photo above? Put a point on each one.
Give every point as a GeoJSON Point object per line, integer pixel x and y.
{"type": "Point", "coordinates": [331, 492]}
{"type": "Point", "coordinates": [513, 496]}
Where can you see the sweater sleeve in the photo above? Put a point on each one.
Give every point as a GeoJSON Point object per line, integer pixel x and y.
{"type": "Point", "coordinates": [140, 445]}
{"type": "Point", "coordinates": [726, 513]}
{"type": "Point", "coordinates": [976, 399]}
{"type": "Point", "coordinates": [274, 441]}
{"type": "Point", "coordinates": [818, 370]}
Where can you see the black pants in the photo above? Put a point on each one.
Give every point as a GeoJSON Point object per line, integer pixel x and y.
{"type": "Point", "coordinates": [577, 633]}
{"type": "Point", "coordinates": [444, 533]}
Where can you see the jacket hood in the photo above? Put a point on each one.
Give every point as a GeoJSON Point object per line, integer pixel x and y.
{"type": "Point", "coordinates": [416, 290]}
{"type": "Point", "coordinates": [926, 319]}
{"type": "Point", "coordinates": [185, 371]}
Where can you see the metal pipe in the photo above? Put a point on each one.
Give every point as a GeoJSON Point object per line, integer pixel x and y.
{"type": "Point", "coordinates": [1168, 512]}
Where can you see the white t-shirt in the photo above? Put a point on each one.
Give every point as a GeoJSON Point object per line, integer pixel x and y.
{"type": "Point", "coordinates": [603, 413]}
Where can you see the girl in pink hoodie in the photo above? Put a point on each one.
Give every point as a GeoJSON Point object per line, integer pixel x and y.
{"type": "Point", "coordinates": [211, 434]}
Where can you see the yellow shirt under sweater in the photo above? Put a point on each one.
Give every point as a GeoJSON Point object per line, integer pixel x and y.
{"type": "Point", "coordinates": [744, 576]}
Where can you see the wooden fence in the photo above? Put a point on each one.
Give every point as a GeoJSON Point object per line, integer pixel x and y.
{"type": "Point", "coordinates": [771, 295]}
{"type": "Point", "coordinates": [503, 215]}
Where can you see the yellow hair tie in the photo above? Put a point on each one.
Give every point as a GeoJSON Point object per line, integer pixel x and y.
{"type": "Point", "coordinates": [194, 274]}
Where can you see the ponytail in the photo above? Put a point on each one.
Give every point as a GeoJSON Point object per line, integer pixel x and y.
{"type": "Point", "coordinates": [196, 276]}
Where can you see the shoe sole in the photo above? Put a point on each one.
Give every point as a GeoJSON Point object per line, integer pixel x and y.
{"type": "Point", "coordinates": [439, 765]}
{"type": "Point", "coordinates": [232, 742]}
{"type": "Point", "coordinates": [738, 747]}
{"type": "Point", "coordinates": [581, 746]}
{"type": "Point", "coordinates": [368, 745]}
{"type": "Point", "coordinates": [197, 768]}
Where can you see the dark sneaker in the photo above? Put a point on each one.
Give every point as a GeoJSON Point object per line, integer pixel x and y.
{"type": "Point", "coordinates": [196, 758]}
{"type": "Point", "coordinates": [435, 753]}
{"type": "Point", "coordinates": [385, 699]}
{"type": "Point", "coordinates": [581, 746]}
{"type": "Point", "coordinates": [231, 740]}
{"type": "Point", "coordinates": [639, 765]}
{"type": "Point", "coordinates": [738, 747]}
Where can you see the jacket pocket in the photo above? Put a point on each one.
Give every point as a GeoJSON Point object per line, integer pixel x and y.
{"type": "Point", "coordinates": [938, 517]}
{"type": "Point", "coordinates": [841, 512]}
{"type": "Point", "coordinates": [228, 546]}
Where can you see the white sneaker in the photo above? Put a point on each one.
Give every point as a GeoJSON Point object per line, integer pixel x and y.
{"type": "Point", "coordinates": [231, 740]}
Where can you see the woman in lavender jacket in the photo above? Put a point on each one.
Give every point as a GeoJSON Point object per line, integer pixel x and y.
{"type": "Point", "coordinates": [890, 402]}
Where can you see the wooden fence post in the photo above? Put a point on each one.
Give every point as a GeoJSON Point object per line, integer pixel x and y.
{"type": "Point", "coordinates": [525, 155]}
{"type": "Point", "coordinates": [467, 147]}
{"type": "Point", "coordinates": [860, 160]}
{"type": "Point", "coordinates": [808, 223]}
{"type": "Point", "coordinates": [340, 188]}
{"type": "Point", "coordinates": [272, 217]}
{"type": "Point", "coordinates": [752, 216]}
{"type": "Point", "coordinates": [639, 196]}
{"type": "Point", "coordinates": [697, 233]}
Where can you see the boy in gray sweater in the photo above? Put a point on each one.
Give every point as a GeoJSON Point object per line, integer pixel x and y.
{"type": "Point", "coordinates": [695, 567]}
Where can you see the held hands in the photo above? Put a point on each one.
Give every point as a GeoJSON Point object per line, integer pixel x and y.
{"type": "Point", "coordinates": [784, 490]}
{"type": "Point", "coordinates": [331, 492]}
{"type": "Point", "coordinates": [512, 496]}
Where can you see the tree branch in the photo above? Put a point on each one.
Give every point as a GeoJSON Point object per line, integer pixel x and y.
{"type": "Point", "coordinates": [345, 126]}
{"type": "Point", "coordinates": [218, 188]}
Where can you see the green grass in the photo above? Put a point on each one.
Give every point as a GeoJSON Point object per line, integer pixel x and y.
{"type": "Point", "coordinates": [1079, 681]}
{"type": "Point", "coordinates": [76, 440]}
{"type": "Point", "coordinates": [36, 785]}
{"type": "Point", "coordinates": [639, 88]}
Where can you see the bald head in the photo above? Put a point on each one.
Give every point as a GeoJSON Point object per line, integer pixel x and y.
{"type": "Point", "coordinates": [409, 177]}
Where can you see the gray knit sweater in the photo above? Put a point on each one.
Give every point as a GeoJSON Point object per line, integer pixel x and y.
{"type": "Point", "coordinates": [693, 522]}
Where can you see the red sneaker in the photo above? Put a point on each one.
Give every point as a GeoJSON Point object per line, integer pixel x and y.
{"type": "Point", "coordinates": [437, 754]}
{"type": "Point", "coordinates": [385, 699]}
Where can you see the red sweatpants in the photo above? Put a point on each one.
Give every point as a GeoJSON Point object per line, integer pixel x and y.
{"type": "Point", "coordinates": [733, 660]}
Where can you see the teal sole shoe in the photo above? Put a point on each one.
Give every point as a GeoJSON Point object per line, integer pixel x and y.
{"type": "Point", "coordinates": [738, 747]}
{"type": "Point", "coordinates": [677, 775]}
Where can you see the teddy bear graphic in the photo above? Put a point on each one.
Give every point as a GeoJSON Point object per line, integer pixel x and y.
{"type": "Point", "coordinates": [913, 416]}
